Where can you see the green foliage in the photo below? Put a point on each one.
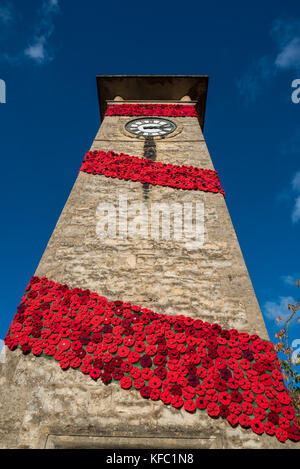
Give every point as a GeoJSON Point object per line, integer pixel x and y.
{"type": "Point", "coordinates": [288, 366]}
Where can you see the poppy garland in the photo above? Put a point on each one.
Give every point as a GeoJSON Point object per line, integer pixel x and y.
{"type": "Point", "coordinates": [167, 110]}
{"type": "Point", "coordinates": [122, 166]}
{"type": "Point", "coordinates": [183, 362]}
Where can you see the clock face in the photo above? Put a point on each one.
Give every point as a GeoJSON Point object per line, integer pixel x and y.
{"type": "Point", "coordinates": [150, 127]}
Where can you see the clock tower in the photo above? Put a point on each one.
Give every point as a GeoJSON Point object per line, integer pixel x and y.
{"type": "Point", "coordinates": [146, 224]}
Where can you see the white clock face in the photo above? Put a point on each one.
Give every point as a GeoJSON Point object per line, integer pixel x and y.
{"type": "Point", "coordinates": [150, 127]}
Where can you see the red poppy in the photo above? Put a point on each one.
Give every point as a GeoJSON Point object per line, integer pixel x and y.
{"type": "Point", "coordinates": [201, 403]}
{"type": "Point", "coordinates": [233, 420]}
{"type": "Point", "coordinates": [147, 373]}
{"type": "Point", "coordinates": [98, 162]}
{"type": "Point", "coordinates": [259, 413]}
{"type": "Point", "coordinates": [269, 428]}
{"type": "Point", "coordinates": [125, 382]}
{"type": "Point", "coordinates": [225, 398]}
{"type": "Point", "coordinates": [233, 383]}
{"type": "Point", "coordinates": [150, 350]}
{"type": "Point", "coordinates": [166, 397]}
{"type": "Point", "coordinates": [288, 412]}
{"type": "Point", "coordinates": [258, 388]}
{"type": "Point", "coordinates": [281, 435]}
{"type": "Point", "coordinates": [185, 352]}
{"type": "Point", "coordinates": [284, 398]}
{"type": "Point", "coordinates": [106, 378]}
{"type": "Point", "coordinates": [49, 350]}
{"type": "Point", "coordinates": [123, 351]}
{"type": "Point", "coordinates": [262, 401]}
{"type": "Point", "coordinates": [275, 406]}
{"type": "Point", "coordinates": [138, 383]}
{"type": "Point", "coordinates": [126, 366]}
{"type": "Point", "coordinates": [133, 357]}
{"type": "Point", "coordinates": [293, 433]}
{"type": "Point", "coordinates": [86, 368]}
{"type": "Point", "coordinates": [75, 363]}
{"type": "Point", "coordinates": [257, 426]}
{"type": "Point", "coordinates": [213, 409]}
{"type": "Point", "coordinates": [95, 373]}
{"type": "Point", "coordinates": [155, 394]}
{"type": "Point", "coordinates": [135, 373]}
{"type": "Point", "coordinates": [177, 402]}
{"type": "Point", "coordinates": [64, 364]}
{"type": "Point", "coordinates": [155, 382]}
{"type": "Point", "coordinates": [244, 421]}
{"type": "Point", "coordinates": [189, 405]}
{"type": "Point", "coordinates": [37, 351]}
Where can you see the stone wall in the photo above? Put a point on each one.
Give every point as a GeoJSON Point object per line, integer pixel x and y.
{"type": "Point", "coordinates": [211, 283]}
{"type": "Point", "coordinates": [43, 407]}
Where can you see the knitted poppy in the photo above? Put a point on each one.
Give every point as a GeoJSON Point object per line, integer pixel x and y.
{"type": "Point", "coordinates": [155, 394]}
{"type": "Point", "coordinates": [275, 406]}
{"type": "Point", "coordinates": [269, 428]}
{"type": "Point", "coordinates": [106, 378]}
{"type": "Point", "coordinates": [190, 360]}
{"type": "Point", "coordinates": [281, 435]}
{"type": "Point", "coordinates": [177, 402]}
{"type": "Point", "coordinates": [166, 397]}
{"type": "Point", "coordinates": [233, 420]}
{"type": "Point", "coordinates": [189, 405]}
{"type": "Point", "coordinates": [257, 426]}
{"type": "Point", "coordinates": [288, 412]}
{"type": "Point", "coordinates": [244, 421]}
{"type": "Point", "coordinates": [95, 373]}
{"type": "Point", "coordinates": [125, 382]}
{"type": "Point", "coordinates": [138, 383]}
{"type": "Point", "coordinates": [259, 413]}
{"type": "Point", "coordinates": [201, 403]}
{"type": "Point", "coordinates": [284, 398]}
{"type": "Point", "coordinates": [293, 433]}
{"type": "Point", "coordinates": [224, 411]}
{"type": "Point", "coordinates": [262, 401]}
{"type": "Point", "coordinates": [213, 409]}
{"type": "Point", "coordinates": [236, 396]}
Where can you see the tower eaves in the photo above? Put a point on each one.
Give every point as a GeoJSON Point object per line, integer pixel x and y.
{"type": "Point", "coordinates": [153, 88]}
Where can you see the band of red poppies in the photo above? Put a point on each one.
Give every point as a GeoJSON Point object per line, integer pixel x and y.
{"type": "Point", "coordinates": [168, 110]}
{"type": "Point", "coordinates": [181, 361]}
{"type": "Point", "coordinates": [127, 167]}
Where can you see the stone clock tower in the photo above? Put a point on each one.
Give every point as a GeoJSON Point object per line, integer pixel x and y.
{"type": "Point", "coordinates": [45, 407]}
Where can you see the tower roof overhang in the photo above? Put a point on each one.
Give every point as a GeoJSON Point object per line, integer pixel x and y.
{"type": "Point", "coordinates": [170, 88]}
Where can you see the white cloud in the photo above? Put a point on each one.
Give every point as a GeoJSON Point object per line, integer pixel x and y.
{"type": "Point", "coordinates": [296, 210]}
{"type": "Point", "coordinates": [296, 182]}
{"type": "Point", "coordinates": [292, 193]}
{"type": "Point", "coordinates": [36, 51]}
{"type": "Point", "coordinates": [38, 48]}
{"type": "Point", "coordinates": [274, 309]}
{"type": "Point", "coordinates": [290, 279]}
{"type": "Point", "coordinates": [251, 83]}
{"type": "Point", "coordinates": [6, 13]}
{"type": "Point", "coordinates": [289, 57]}
{"type": "Point", "coordinates": [296, 188]}
{"type": "Point", "coordinates": [287, 36]}
{"type": "Point", "coordinates": [285, 56]}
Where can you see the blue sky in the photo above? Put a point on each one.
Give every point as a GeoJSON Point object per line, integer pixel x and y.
{"type": "Point", "coordinates": [51, 51]}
